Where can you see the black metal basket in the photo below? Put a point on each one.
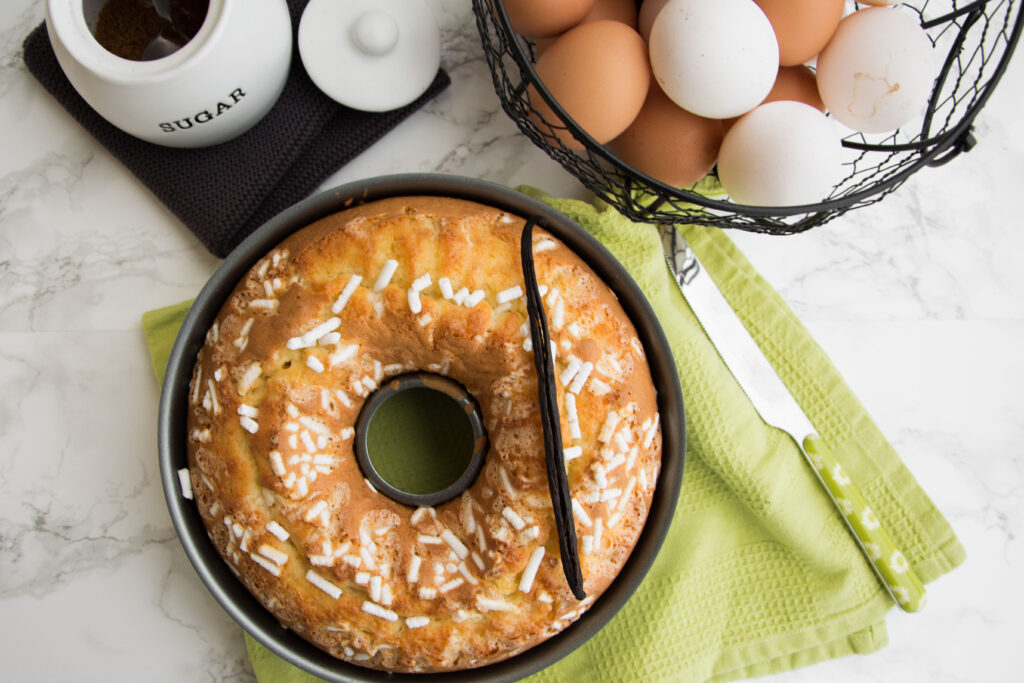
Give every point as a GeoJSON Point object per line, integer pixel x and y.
{"type": "Point", "coordinates": [977, 37]}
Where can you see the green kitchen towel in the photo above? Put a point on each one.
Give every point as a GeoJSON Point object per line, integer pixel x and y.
{"type": "Point", "coordinates": [758, 573]}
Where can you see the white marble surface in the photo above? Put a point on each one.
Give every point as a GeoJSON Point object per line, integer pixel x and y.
{"type": "Point", "coordinates": [919, 300]}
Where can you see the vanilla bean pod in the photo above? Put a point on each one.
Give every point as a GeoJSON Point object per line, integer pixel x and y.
{"type": "Point", "coordinates": [558, 481]}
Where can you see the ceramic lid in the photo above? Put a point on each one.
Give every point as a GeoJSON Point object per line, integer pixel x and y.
{"type": "Point", "coordinates": [371, 55]}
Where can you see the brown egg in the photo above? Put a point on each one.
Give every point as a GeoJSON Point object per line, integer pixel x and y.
{"type": "Point", "coordinates": [542, 44]}
{"type": "Point", "coordinates": [802, 27]}
{"type": "Point", "coordinates": [795, 83]}
{"type": "Point", "coordinates": [669, 143]}
{"type": "Point", "coordinates": [599, 74]}
{"type": "Point", "coordinates": [545, 18]}
{"type": "Point", "coordinates": [623, 11]}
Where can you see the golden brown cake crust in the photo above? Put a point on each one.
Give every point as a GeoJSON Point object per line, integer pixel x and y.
{"type": "Point", "coordinates": [277, 389]}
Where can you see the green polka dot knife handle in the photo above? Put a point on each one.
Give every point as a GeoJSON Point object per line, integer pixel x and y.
{"type": "Point", "coordinates": [878, 546]}
{"type": "Point", "coordinates": [777, 407]}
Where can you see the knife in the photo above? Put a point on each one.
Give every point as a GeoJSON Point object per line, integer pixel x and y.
{"type": "Point", "coordinates": [777, 407]}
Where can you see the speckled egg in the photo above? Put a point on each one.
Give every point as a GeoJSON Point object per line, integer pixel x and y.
{"type": "Point", "coordinates": [715, 58]}
{"type": "Point", "coordinates": [877, 72]}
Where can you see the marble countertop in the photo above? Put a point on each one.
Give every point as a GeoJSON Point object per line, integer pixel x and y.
{"type": "Point", "coordinates": [919, 300]}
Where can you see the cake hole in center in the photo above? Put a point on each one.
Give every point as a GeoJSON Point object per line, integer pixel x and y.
{"type": "Point", "coordinates": [419, 439]}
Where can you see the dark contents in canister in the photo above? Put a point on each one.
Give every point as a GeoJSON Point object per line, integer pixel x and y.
{"type": "Point", "coordinates": [127, 27]}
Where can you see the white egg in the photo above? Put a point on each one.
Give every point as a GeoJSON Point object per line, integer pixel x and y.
{"type": "Point", "coordinates": [714, 58]}
{"type": "Point", "coordinates": [876, 73]}
{"type": "Point", "coordinates": [781, 154]}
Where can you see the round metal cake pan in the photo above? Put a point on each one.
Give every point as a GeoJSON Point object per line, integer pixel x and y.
{"type": "Point", "coordinates": [171, 433]}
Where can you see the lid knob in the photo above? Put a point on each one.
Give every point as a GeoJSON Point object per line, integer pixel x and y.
{"type": "Point", "coordinates": [371, 55]}
{"type": "Point", "coordinates": [375, 33]}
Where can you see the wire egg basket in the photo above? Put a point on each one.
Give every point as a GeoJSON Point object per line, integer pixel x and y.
{"type": "Point", "coordinates": [977, 39]}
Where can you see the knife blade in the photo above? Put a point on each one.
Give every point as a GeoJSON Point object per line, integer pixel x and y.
{"type": "Point", "coordinates": [773, 401]}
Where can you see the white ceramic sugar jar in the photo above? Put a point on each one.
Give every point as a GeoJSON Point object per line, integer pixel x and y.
{"type": "Point", "coordinates": [214, 88]}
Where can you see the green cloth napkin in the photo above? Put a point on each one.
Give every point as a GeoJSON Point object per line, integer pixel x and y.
{"type": "Point", "coordinates": [758, 573]}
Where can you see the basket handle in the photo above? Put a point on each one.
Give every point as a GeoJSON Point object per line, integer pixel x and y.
{"type": "Point", "coordinates": [965, 142]}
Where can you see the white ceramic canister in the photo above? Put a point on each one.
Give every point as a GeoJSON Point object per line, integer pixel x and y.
{"type": "Point", "coordinates": [212, 89]}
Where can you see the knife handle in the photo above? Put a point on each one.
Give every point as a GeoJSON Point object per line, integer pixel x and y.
{"type": "Point", "coordinates": [878, 546]}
